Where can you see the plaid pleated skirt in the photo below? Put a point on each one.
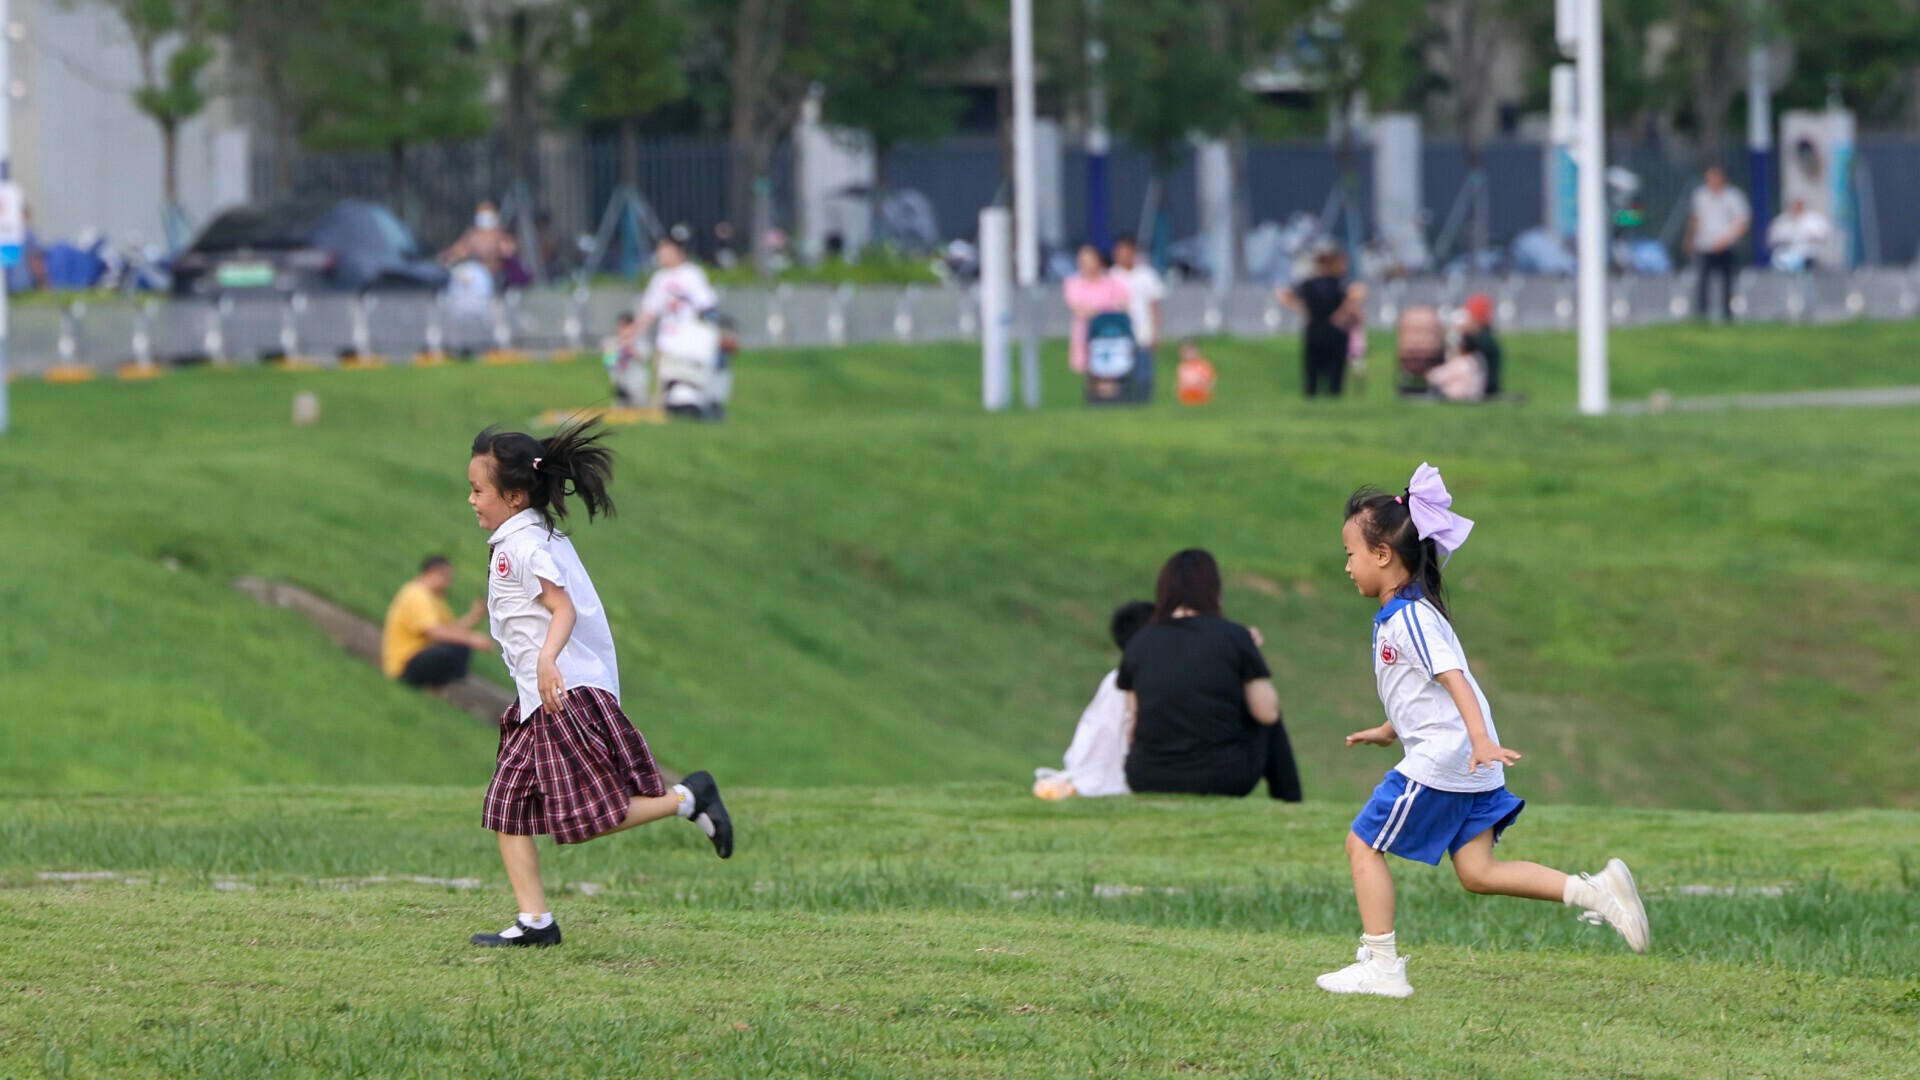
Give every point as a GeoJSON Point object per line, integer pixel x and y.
{"type": "Point", "coordinates": [571, 776]}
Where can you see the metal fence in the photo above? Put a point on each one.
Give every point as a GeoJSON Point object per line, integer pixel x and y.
{"type": "Point", "coordinates": [690, 180]}
{"type": "Point", "coordinates": [326, 328]}
{"type": "Point", "coordinates": [571, 182]}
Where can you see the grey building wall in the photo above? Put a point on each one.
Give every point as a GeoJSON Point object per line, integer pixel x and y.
{"type": "Point", "coordinates": [84, 156]}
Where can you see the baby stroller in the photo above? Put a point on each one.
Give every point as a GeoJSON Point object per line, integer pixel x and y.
{"type": "Point", "coordinates": [1422, 345]}
{"type": "Point", "coordinates": [1110, 359]}
{"type": "Point", "coordinates": [695, 369]}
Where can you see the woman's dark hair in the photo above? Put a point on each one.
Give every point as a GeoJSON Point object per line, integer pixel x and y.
{"type": "Point", "coordinates": [1105, 257]}
{"type": "Point", "coordinates": [1191, 579]}
{"type": "Point", "coordinates": [434, 562]}
{"type": "Point", "coordinates": [1385, 519]}
{"type": "Point", "coordinates": [1330, 261]}
{"type": "Point", "coordinates": [1127, 620]}
{"type": "Point", "coordinates": [571, 461]}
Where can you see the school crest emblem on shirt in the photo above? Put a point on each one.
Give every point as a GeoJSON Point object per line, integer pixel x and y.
{"type": "Point", "coordinates": [1388, 654]}
{"type": "Point", "coordinates": [501, 566]}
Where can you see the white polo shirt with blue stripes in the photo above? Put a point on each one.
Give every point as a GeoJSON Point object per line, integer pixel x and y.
{"type": "Point", "coordinates": [1413, 644]}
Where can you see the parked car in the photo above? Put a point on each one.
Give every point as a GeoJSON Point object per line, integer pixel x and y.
{"type": "Point", "coordinates": [305, 246]}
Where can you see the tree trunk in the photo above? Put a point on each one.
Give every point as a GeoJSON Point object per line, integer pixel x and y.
{"type": "Point", "coordinates": [282, 155]}
{"type": "Point", "coordinates": [521, 78]}
{"type": "Point", "coordinates": [170, 161]}
{"type": "Point", "coordinates": [630, 153]}
{"type": "Point", "coordinates": [748, 158]}
{"type": "Point", "coordinates": [397, 178]}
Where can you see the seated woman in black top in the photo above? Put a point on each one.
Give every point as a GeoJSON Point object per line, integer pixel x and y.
{"type": "Point", "coordinates": [1206, 717]}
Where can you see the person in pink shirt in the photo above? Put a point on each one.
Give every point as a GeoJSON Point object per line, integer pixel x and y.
{"type": "Point", "coordinates": [1092, 291]}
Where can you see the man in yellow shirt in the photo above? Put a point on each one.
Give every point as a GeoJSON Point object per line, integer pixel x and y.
{"type": "Point", "coordinates": [423, 644]}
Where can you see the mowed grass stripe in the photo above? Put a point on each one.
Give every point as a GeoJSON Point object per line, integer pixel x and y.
{"type": "Point", "coordinates": [821, 952]}
{"type": "Point", "coordinates": [1836, 894]}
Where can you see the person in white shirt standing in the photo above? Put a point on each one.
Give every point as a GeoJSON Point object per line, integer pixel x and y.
{"type": "Point", "coordinates": [571, 765]}
{"type": "Point", "coordinates": [677, 293]}
{"type": "Point", "coordinates": [1720, 218]}
{"type": "Point", "coordinates": [1449, 794]}
{"type": "Point", "coordinates": [1146, 296]}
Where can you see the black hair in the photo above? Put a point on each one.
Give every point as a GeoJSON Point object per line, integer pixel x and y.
{"type": "Point", "coordinates": [1385, 519]}
{"type": "Point", "coordinates": [1127, 620]}
{"type": "Point", "coordinates": [1191, 579]}
{"type": "Point", "coordinates": [1127, 239]}
{"type": "Point", "coordinates": [434, 562]}
{"type": "Point", "coordinates": [571, 461]}
{"type": "Point", "coordinates": [623, 318]}
{"type": "Point", "coordinates": [1105, 257]}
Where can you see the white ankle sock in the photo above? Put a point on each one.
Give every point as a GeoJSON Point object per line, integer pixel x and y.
{"type": "Point", "coordinates": [1380, 947]}
{"type": "Point", "coordinates": [1583, 894]}
{"type": "Point", "coordinates": [536, 922]}
{"type": "Point", "coordinates": [685, 809]}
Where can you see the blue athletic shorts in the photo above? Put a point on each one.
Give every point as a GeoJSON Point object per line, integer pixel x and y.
{"type": "Point", "coordinates": [1420, 823]}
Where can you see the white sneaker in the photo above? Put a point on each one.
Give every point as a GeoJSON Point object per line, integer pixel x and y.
{"type": "Point", "coordinates": [1623, 911]}
{"type": "Point", "coordinates": [1368, 976]}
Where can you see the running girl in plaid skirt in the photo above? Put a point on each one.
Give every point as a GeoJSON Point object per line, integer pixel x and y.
{"type": "Point", "coordinates": [571, 764]}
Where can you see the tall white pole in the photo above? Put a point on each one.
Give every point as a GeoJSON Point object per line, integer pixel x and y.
{"type": "Point", "coordinates": [1026, 220]}
{"type": "Point", "coordinates": [996, 308]}
{"type": "Point", "coordinates": [1760, 130]}
{"type": "Point", "coordinates": [6, 174]}
{"type": "Point", "coordinates": [1026, 205]}
{"type": "Point", "coordinates": [1592, 198]}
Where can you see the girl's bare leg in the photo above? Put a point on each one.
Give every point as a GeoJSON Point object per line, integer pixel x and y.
{"type": "Point", "coordinates": [1372, 886]}
{"type": "Point", "coordinates": [1480, 872]}
{"type": "Point", "coordinates": [645, 808]}
{"type": "Point", "coordinates": [523, 871]}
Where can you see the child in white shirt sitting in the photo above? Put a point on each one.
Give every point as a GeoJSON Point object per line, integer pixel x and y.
{"type": "Point", "coordinates": [1096, 762]}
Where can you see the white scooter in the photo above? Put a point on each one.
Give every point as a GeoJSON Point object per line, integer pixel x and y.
{"type": "Point", "coordinates": [696, 376]}
{"type": "Point", "coordinates": [687, 370]}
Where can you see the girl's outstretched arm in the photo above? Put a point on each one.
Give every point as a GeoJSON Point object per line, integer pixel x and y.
{"type": "Point", "coordinates": [553, 687]}
{"type": "Point", "coordinates": [1485, 750]}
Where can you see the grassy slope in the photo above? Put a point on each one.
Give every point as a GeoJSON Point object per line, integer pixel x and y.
{"type": "Point", "coordinates": [863, 579]}
{"type": "Point", "coordinates": [951, 932]}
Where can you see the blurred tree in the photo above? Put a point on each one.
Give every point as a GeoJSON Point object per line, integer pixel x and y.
{"type": "Point", "coordinates": [522, 43]}
{"type": "Point", "coordinates": [1708, 64]}
{"type": "Point", "coordinates": [766, 89]}
{"type": "Point", "coordinates": [1865, 49]}
{"type": "Point", "coordinates": [383, 74]}
{"type": "Point", "coordinates": [172, 39]}
{"type": "Point", "coordinates": [621, 63]}
{"type": "Point", "coordinates": [886, 67]}
{"type": "Point", "coordinates": [262, 36]}
{"type": "Point", "coordinates": [1172, 73]}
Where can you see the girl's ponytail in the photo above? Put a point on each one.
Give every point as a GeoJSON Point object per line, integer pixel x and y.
{"type": "Point", "coordinates": [1385, 519]}
{"type": "Point", "coordinates": [570, 462]}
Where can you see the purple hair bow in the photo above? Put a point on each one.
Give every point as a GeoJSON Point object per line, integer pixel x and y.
{"type": "Point", "coordinates": [1431, 508]}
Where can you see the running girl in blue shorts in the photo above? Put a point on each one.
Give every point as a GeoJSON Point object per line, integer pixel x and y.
{"type": "Point", "coordinates": [1448, 795]}
{"type": "Point", "coordinates": [571, 765]}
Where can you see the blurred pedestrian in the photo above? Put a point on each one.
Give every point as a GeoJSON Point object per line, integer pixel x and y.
{"type": "Point", "coordinates": [486, 242]}
{"type": "Point", "coordinates": [1334, 308]}
{"type": "Point", "coordinates": [1719, 220]}
{"type": "Point", "coordinates": [1476, 336]}
{"type": "Point", "coordinates": [1091, 291]}
{"type": "Point", "coordinates": [1145, 306]}
{"type": "Point", "coordinates": [1799, 237]}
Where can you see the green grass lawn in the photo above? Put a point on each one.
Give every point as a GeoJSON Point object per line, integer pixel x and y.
{"type": "Point", "coordinates": [954, 931]}
{"type": "Point", "coordinates": [863, 579]}
{"type": "Point", "coordinates": [229, 850]}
